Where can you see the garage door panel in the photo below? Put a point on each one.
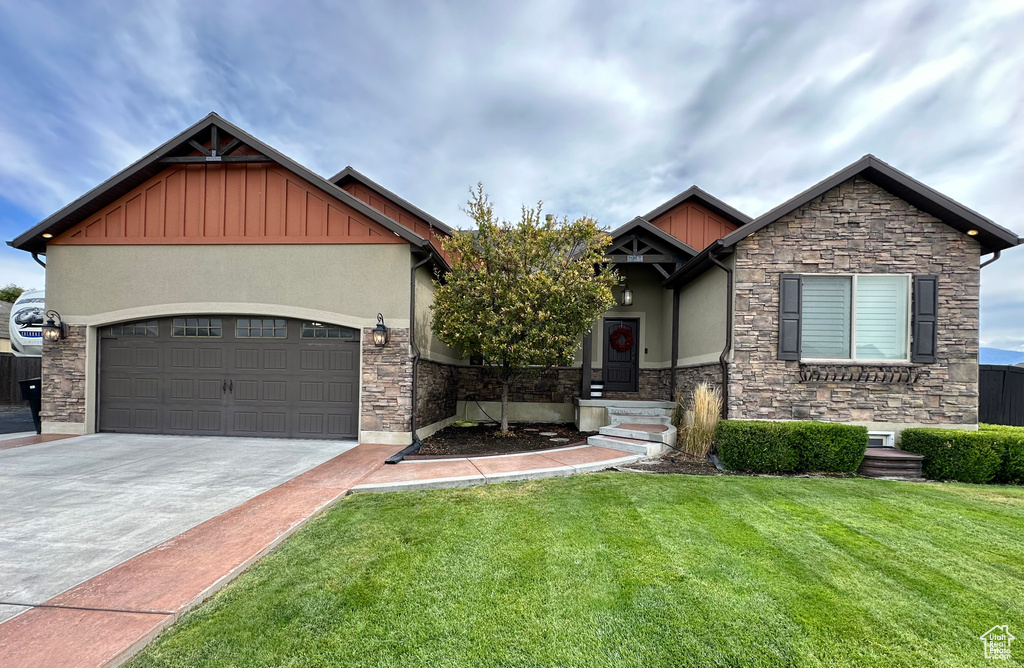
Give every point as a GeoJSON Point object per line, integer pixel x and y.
{"type": "Point", "coordinates": [275, 390]}
{"type": "Point", "coordinates": [182, 420]}
{"type": "Point", "coordinates": [246, 390]}
{"type": "Point", "coordinates": [341, 392]}
{"type": "Point", "coordinates": [183, 357]}
{"type": "Point", "coordinates": [147, 358]}
{"type": "Point", "coordinates": [247, 358]}
{"type": "Point", "coordinates": [252, 386]}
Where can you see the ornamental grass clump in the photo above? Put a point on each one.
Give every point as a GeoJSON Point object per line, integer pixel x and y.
{"type": "Point", "coordinates": [702, 416]}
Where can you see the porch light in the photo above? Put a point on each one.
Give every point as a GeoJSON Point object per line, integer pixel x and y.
{"type": "Point", "coordinates": [54, 329]}
{"type": "Point", "coordinates": [627, 295]}
{"type": "Point", "coordinates": [380, 332]}
{"type": "Point", "coordinates": [47, 235]}
{"type": "Point", "coordinates": [972, 233]}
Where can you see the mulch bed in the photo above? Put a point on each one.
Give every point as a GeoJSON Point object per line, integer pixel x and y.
{"type": "Point", "coordinates": [676, 462]}
{"type": "Point", "coordinates": [484, 439]}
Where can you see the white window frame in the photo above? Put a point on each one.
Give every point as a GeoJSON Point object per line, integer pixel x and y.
{"type": "Point", "coordinates": [888, 437]}
{"type": "Point", "coordinates": [853, 359]}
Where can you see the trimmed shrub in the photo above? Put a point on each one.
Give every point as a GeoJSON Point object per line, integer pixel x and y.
{"type": "Point", "coordinates": [786, 447]}
{"type": "Point", "coordinates": [953, 454]}
{"type": "Point", "coordinates": [829, 447]}
{"type": "Point", "coordinates": [1012, 470]}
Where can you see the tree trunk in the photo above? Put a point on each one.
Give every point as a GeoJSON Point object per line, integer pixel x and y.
{"type": "Point", "coordinates": [504, 407]}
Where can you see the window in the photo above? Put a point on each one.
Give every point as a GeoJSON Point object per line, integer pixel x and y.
{"type": "Point", "coordinates": [144, 328]}
{"type": "Point", "coordinates": [881, 439]}
{"type": "Point", "coordinates": [318, 330]}
{"type": "Point", "coordinates": [197, 327]}
{"type": "Point", "coordinates": [858, 317]}
{"type": "Point", "coordinates": [265, 328]}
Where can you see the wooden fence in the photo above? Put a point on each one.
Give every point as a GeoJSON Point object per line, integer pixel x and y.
{"type": "Point", "coordinates": [13, 369]}
{"type": "Point", "coordinates": [1001, 395]}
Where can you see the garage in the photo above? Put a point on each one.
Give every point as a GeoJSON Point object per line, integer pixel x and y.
{"type": "Point", "coordinates": [229, 375]}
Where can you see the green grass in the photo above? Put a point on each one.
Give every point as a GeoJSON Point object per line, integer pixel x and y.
{"type": "Point", "coordinates": [629, 570]}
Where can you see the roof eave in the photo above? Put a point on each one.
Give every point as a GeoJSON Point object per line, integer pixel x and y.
{"type": "Point", "coordinates": [349, 171]}
{"type": "Point", "coordinates": [32, 241]}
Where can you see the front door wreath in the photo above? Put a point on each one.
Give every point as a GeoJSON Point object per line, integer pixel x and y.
{"type": "Point", "coordinates": [621, 339]}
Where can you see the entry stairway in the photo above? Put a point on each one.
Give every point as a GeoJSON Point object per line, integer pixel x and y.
{"type": "Point", "coordinates": [640, 427]}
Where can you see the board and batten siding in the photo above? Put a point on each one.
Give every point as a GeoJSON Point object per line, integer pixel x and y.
{"type": "Point", "coordinates": [227, 204]}
{"type": "Point", "coordinates": [693, 225]}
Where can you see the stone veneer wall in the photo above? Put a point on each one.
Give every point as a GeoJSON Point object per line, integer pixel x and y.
{"type": "Point", "coordinates": [64, 378]}
{"type": "Point", "coordinates": [856, 227]}
{"type": "Point", "coordinates": [652, 385]}
{"type": "Point", "coordinates": [556, 385]}
{"type": "Point", "coordinates": [687, 378]}
{"type": "Point", "coordinates": [436, 392]}
{"type": "Point", "coordinates": [387, 382]}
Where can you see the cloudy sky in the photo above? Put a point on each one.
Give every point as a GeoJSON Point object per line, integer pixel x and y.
{"type": "Point", "coordinates": [593, 108]}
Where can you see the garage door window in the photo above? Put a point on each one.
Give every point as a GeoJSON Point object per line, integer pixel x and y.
{"type": "Point", "coordinates": [197, 327]}
{"type": "Point", "coordinates": [144, 328]}
{"type": "Point", "coordinates": [318, 330]}
{"type": "Point", "coordinates": [261, 328]}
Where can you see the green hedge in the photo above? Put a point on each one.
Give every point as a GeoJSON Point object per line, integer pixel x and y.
{"type": "Point", "coordinates": [788, 447]}
{"type": "Point", "coordinates": [991, 454]}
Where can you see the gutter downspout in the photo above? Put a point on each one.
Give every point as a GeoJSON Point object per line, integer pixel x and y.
{"type": "Point", "coordinates": [995, 256]}
{"type": "Point", "coordinates": [35, 256]}
{"type": "Point", "coordinates": [416, 442]}
{"type": "Point", "coordinates": [723, 359]}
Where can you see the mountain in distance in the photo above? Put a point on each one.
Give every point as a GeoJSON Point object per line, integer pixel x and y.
{"type": "Point", "coordinates": [999, 356]}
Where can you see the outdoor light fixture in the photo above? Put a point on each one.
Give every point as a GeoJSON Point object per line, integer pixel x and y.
{"type": "Point", "coordinates": [54, 329]}
{"type": "Point", "coordinates": [47, 236]}
{"type": "Point", "coordinates": [973, 233]}
{"type": "Point", "coordinates": [380, 332]}
{"type": "Point", "coordinates": [627, 295]}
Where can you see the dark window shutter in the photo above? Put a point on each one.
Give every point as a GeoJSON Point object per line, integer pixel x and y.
{"type": "Point", "coordinates": [925, 321]}
{"type": "Point", "coordinates": [790, 296]}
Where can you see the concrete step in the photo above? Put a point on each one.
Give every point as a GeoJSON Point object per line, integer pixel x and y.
{"type": "Point", "coordinates": [663, 434]}
{"type": "Point", "coordinates": [640, 419]}
{"type": "Point", "coordinates": [635, 446]}
{"type": "Point", "coordinates": [632, 411]}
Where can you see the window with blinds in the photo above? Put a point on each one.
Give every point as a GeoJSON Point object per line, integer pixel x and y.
{"type": "Point", "coordinates": [856, 317]}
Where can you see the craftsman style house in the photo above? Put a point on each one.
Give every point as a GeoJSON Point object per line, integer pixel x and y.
{"type": "Point", "coordinates": [218, 287]}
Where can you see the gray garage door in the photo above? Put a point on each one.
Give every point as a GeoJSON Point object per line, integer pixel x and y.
{"type": "Point", "coordinates": [228, 375]}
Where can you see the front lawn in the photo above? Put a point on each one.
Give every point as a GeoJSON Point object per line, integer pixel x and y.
{"type": "Point", "coordinates": [624, 569]}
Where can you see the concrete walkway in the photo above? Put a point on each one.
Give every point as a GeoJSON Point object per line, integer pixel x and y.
{"type": "Point", "coordinates": [108, 617]}
{"type": "Point", "coordinates": [464, 471]}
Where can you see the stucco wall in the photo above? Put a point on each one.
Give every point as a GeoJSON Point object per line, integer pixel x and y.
{"type": "Point", "coordinates": [856, 227]}
{"type": "Point", "coordinates": [702, 317]}
{"type": "Point", "coordinates": [346, 284]}
{"type": "Point", "coordinates": [430, 346]}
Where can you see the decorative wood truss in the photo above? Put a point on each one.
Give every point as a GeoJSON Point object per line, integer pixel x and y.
{"type": "Point", "coordinates": [639, 243]}
{"type": "Point", "coordinates": [214, 150]}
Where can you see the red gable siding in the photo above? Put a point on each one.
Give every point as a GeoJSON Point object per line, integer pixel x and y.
{"type": "Point", "coordinates": [227, 204]}
{"type": "Point", "coordinates": [693, 224]}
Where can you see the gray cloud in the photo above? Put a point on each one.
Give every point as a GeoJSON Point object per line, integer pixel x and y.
{"type": "Point", "coordinates": [593, 107]}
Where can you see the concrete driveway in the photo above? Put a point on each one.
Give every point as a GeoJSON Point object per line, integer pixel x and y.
{"type": "Point", "coordinates": [74, 508]}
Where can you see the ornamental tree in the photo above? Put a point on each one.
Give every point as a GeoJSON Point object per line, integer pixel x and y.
{"type": "Point", "coordinates": [521, 295]}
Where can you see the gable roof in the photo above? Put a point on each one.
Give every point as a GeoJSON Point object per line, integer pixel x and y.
{"type": "Point", "coordinates": [639, 223]}
{"type": "Point", "coordinates": [991, 237]}
{"type": "Point", "coordinates": [706, 200]}
{"type": "Point", "coordinates": [351, 174]}
{"type": "Point", "coordinates": [176, 149]}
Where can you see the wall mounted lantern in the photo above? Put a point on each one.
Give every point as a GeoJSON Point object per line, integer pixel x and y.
{"type": "Point", "coordinates": [54, 328]}
{"type": "Point", "coordinates": [380, 332]}
{"type": "Point", "coordinates": [627, 295]}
